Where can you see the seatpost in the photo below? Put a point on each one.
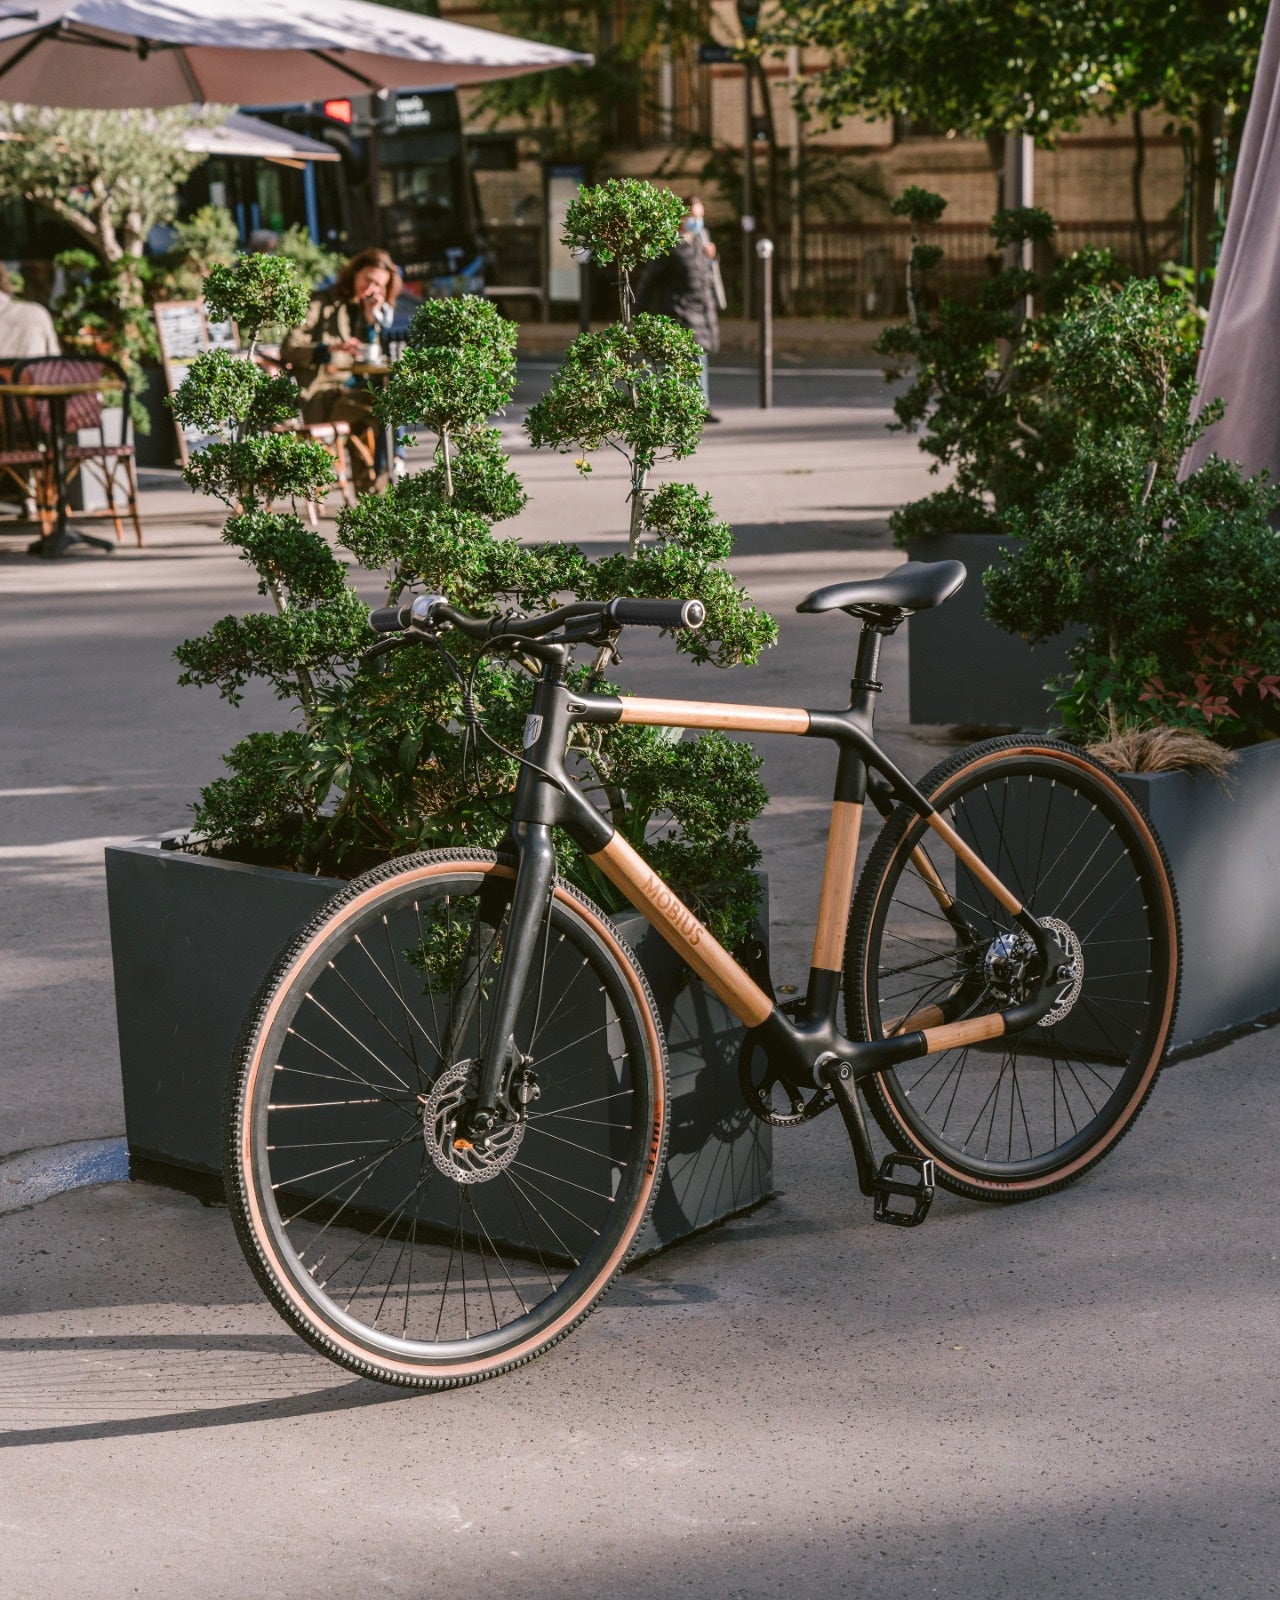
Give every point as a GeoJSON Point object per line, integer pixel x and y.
{"type": "Point", "coordinates": [865, 684]}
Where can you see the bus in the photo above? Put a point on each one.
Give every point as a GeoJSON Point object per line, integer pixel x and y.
{"type": "Point", "coordinates": [403, 181]}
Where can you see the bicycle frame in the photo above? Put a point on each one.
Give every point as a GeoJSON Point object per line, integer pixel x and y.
{"type": "Point", "coordinates": [799, 1045]}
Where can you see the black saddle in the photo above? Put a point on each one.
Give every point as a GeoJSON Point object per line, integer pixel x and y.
{"type": "Point", "coordinates": [915, 586]}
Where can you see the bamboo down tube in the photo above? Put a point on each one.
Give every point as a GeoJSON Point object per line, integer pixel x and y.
{"type": "Point", "coordinates": [630, 872]}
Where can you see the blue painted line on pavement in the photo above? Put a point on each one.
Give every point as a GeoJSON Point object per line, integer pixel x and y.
{"type": "Point", "coordinates": [35, 1175]}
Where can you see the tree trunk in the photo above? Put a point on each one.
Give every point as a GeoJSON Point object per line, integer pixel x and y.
{"type": "Point", "coordinates": [1204, 197]}
{"type": "Point", "coordinates": [995, 142]}
{"type": "Point", "coordinates": [1136, 174]}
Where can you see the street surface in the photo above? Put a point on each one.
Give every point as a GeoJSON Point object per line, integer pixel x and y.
{"type": "Point", "coordinates": [1075, 1398]}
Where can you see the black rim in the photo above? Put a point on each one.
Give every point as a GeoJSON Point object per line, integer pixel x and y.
{"type": "Point", "coordinates": [1023, 1107]}
{"type": "Point", "coordinates": [359, 1184]}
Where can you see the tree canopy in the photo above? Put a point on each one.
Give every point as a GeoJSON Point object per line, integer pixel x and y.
{"type": "Point", "coordinates": [981, 67]}
{"type": "Point", "coordinates": [110, 175]}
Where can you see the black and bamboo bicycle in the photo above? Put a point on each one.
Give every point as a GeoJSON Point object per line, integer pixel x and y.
{"type": "Point", "coordinates": [448, 1115]}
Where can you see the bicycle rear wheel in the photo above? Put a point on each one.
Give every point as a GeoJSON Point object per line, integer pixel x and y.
{"type": "Point", "coordinates": [395, 1248]}
{"type": "Point", "coordinates": [1015, 1117]}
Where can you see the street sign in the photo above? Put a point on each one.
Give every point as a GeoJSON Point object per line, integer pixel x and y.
{"type": "Point", "coordinates": [716, 55]}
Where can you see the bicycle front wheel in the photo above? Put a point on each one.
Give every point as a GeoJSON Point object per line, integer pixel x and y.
{"type": "Point", "coordinates": [395, 1247]}
{"type": "Point", "coordinates": [1011, 1118]}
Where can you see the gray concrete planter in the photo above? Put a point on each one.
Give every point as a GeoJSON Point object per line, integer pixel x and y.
{"type": "Point", "coordinates": [192, 938]}
{"type": "Point", "coordinates": [964, 670]}
{"type": "Point", "coordinates": [1223, 844]}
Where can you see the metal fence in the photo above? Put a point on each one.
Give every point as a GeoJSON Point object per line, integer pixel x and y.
{"type": "Point", "coordinates": [853, 271]}
{"type": "Point", "coordinates": [861, 271]}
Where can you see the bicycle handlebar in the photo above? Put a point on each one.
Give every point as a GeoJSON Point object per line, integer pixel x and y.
{"type": "Point", "coordinates": [427, 610]}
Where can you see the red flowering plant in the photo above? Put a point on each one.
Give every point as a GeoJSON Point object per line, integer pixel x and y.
{"type": "Point", "coordinates": [1225, 695]}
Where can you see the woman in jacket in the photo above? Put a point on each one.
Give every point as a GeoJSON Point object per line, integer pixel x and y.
{"type": "Point", "coordinates": [341, 322]}
{"type": "Point", "coordinates": [682, 285]}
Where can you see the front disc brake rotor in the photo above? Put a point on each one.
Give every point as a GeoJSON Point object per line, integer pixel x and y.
{"type": "Point", "coordinates": [458, 1157]}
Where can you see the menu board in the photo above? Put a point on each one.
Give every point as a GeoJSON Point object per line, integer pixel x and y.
{"type": "Point", "coordinates": [184, 333]}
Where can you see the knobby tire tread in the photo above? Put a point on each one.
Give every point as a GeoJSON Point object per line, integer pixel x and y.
{"type": "Point", "coordinates": [862, 915]}
{"type": "Point", "coordinates": [233, 1123]}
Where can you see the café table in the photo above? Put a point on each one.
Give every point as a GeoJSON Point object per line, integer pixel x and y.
{"type": "Point", "coordinates": [62, 538]}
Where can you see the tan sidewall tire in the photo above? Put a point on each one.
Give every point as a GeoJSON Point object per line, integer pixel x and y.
{"type": "Point", "coordinates": [935, 788]}
{"type": "Point", "coordinates": [242, 1186]}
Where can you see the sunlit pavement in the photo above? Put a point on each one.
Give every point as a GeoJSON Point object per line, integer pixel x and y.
{"type": "Point", "coordinates": [1073, 1398]}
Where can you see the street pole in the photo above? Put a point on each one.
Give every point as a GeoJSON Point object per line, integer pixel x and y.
{"type": "Point", "coordinates": [749, 22]}
{"type": "Point", "coordinates": [748, 198]}
{"type": "Point", "coordinates": [764, 249]}
{"type": "Point", "coordinates": [1020, 191]}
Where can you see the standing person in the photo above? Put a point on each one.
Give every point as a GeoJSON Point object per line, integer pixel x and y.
{"type": "Point", "coordinates": [682, 285]}
{"type": "Point", "coordinates": [343, 322]}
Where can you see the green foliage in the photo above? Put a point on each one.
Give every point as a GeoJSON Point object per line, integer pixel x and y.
{"type": "Point", "coordinates": [634, 387]}
{"type": "Point", "coordinates": [110, 175]}
{"type": "Point", "coordinates": [572, 111]}
{"type": "Point", "coordinates": [624, 222]}
{"type": "Point", "coordinates": [319, 625]}
{"type": "Point", "coordinates": [458, 368]}
{"type": "Point", "coordinates": [223, 391]}
{"type": "Point", "coordinates": [1175, 583]}
{"type": "Point", "coordinates": [208, 237]}
{"type": "Point", "coordinates": [254, 292]}
{"type": "Point", "coordinates": [380, 765]}
{"type": "Point", "coordinates": [921, 207]}
{"type": "Point", "coordinates": [980, 392]}
{"type": "Point", "coordinates": [260, 468]}
{"type": "Point", "coordinates": [312, 262]}
{"type": "Point", "coordinates": [102, 311]}
{"type": "Point", "coordinates": [267, 803]}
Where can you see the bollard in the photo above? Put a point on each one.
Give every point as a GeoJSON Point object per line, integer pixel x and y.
{"type": "Point", "coordinates": [764, 250]}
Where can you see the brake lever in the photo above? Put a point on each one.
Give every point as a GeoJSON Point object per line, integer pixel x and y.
{"type": "Point", "coordinates": [385, 646]}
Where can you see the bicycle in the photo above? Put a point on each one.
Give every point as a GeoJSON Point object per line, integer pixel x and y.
{"type": "Point", "coordinates": [431, 1190]}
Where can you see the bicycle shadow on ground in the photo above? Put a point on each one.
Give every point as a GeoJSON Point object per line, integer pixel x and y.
{"type": "Point", "coordinates": [47, 1384]}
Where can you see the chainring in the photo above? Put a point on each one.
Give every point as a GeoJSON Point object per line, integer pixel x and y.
{"type": "Point", "coordinates": [757, 1095]}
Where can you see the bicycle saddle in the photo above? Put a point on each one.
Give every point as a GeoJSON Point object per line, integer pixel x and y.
{"type": "Point", "coordinates": [915, 586]}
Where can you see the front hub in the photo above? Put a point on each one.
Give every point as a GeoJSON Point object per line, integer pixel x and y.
{"type": "Point", "coordinates": [459, 1154]}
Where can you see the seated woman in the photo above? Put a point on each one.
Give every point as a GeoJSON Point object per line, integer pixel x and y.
{"type": "Point", "coordinates": [341, 322]}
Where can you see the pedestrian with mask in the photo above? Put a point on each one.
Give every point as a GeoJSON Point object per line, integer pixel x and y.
{"type": "Point", "coordinates": [682, 285]}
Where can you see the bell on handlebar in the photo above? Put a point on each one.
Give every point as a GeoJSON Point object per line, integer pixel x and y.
{"type": "Point", "coordinates": [424, 605]}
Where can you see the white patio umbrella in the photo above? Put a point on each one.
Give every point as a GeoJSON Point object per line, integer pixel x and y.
{"type": "Point", "coordinates": [121, 53]}
{"type": "Point", "coordinates": [1238, 362]}
{"type": "Point", "coordinates": [240, 135]}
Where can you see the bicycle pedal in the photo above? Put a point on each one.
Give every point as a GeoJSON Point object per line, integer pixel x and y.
{"type": "Point", "coordinates": [918, 1189]}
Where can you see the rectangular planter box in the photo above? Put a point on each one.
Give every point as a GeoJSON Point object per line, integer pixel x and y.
{"type": "Point", "coordinates": [192, 938]}
{"type": "Point", "coordinates": [961, 668]}
{"type": "Point", "coordinates": [1223, 844]}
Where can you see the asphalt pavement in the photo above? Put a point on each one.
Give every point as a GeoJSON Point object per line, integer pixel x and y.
{"type": "Point", "coordinates": [1073, 1398]}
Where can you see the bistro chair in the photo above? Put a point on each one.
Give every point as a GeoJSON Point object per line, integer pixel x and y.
{"type": "Point", "coordinates": [84, 414]}
{"type": "Point", "coordinates": [334, 436]}
{"type": "Point", "coordinates": [24, 460]}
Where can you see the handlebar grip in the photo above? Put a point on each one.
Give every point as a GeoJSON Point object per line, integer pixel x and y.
{"type": "Point", "coordinates": [658, 613]}
{"type": "Point", "coordinates": [389, 619]}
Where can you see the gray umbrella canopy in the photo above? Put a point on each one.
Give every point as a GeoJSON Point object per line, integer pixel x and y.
{"type": "Point", "coordinates": [1238, 363]}
{"type": "Point", "coordinates": [122, 53]}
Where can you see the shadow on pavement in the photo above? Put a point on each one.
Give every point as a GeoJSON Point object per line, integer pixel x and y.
{"type": "Point", "coordinates": [50, 1380]}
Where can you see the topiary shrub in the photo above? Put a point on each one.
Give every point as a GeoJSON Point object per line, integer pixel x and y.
{"type": "Point", "coordinates": [382, 761]}
{"type": "Point", "coordinates": [980, 394]}
{"type": "Point", "coordinates": [1175, 581]}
